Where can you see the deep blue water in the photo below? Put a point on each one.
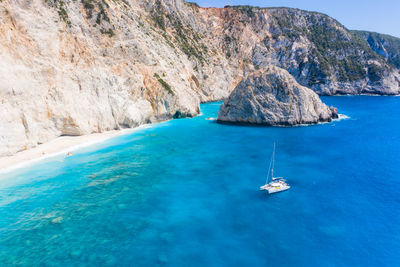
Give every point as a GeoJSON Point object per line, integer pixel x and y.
{"type": "Point", "coordinates": [185, 193]}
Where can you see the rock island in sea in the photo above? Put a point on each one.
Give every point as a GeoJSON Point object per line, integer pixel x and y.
{"type": "Point", "coordinates": [271, 96]}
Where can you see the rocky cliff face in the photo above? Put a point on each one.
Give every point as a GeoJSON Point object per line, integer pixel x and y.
{"type": "Point", "coordinates": [77, 67]}
{"type": "Point", "coordinates": [388, 47]}
{"type": "Point", "coordinates": [273, 97]}
{"type": "Point", "coordinates": [316, 49]}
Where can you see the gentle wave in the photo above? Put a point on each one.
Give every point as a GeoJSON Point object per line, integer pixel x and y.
{"type": "Point", "coordinates": [72, 148]}
{"type": "Point", "coordinates": [342, 117]}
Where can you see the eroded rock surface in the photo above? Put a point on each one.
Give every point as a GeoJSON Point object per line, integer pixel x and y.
{"type": "Point", "coordinates": [272, 96]}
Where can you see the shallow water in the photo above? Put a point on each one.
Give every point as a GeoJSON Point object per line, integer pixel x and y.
{"type": "Point", "coordinates": [185, 193]}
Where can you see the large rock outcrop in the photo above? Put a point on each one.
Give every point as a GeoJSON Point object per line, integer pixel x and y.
{"type": "Point", "coordinates": [78, 67]}
{"type": "Point", "coordinates": [273, 97]}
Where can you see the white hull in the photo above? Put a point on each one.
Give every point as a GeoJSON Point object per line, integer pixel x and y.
{"type": "Point", "coordinates": [275, 187]}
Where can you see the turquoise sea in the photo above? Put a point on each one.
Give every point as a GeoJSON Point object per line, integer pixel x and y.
{"type": "Point", "coordinates": [185, 193]}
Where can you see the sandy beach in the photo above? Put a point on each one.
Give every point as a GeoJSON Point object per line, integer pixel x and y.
{"type": "Point", "coordinates": [60, 146]}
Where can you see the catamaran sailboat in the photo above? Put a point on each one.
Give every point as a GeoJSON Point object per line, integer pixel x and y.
{"type": "Point", "coordinates": [277, 184]}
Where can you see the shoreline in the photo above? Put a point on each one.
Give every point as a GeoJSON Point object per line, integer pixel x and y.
{"type": "Point", "coordinates": [246, 124]}
{"type": "Point", "coordinates": [62, 145]}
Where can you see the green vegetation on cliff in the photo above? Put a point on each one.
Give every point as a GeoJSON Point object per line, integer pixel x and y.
{"type": "Point", "coordinates": [164, 84]}
{"type": "Point", "coordinates": [188, 40]}
{"type": "Point", "coordinates": [335, 50]}
{"type": "Point", "coordinates": [92, 8]}
{"type": "Point", "coordinates": [385, 45]}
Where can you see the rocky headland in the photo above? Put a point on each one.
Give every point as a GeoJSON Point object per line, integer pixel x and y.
{"type": "Point", "coordinates": [273, 97]}
{"type": "Point", "coordinates": [79, 67]}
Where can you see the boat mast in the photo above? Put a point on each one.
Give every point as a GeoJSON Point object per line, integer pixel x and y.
{"type": "Point", "coordinates": [269, 171]}
{"type": "Point", "coordinates": [273, 162]}
{"type": "Point", "coordinates": [271, 165]}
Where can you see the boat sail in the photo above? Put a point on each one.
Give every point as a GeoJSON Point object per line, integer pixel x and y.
{"type": "Point", "coordinates": [277, 184]}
